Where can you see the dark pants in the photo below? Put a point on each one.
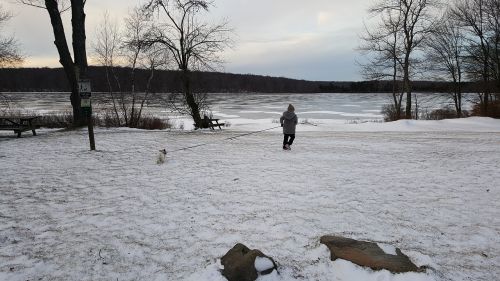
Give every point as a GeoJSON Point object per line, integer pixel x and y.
{"type": "Point", "coordinates": [288, 139]}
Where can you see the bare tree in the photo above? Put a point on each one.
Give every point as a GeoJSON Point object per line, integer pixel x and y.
{"type": "Point", "coordinates": [9, 55]}
{"type": "Point", "coordinates": [478, 17]}
{"type": "Point", "coordinates": [136, 52]}
{"type": "Point", "coordinates": [193, 45]}
{"type": "Point", "coordinates": [154, 59]}
{"type": "Point", "coordinates": [383, 44]}
{"type": "Point", "coordinates": [9, 49]}
{"type": "Point", "coordinates": [178, 103]}
{"type": "Point", "coordinates": [129, 50]}
{"type": "Point", "coordinates": [5, 103]}
{"type": "Point", "coordinates": [445, 52]}
{"type": "Point", "coordinates": [105, 48]}
{"type": "Point", "coordinates": [75, 66]}
{"type": "Point", "coordinates": [416, 23]}
{"type": "Point", "coordinates": [493, 11]}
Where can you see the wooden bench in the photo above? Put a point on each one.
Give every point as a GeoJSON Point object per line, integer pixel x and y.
{"type": "Point", "coordinates": [18, 124]}
{"type": "Point", "coordinates": [211, 123]}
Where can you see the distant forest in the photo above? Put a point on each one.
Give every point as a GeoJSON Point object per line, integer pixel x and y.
{"type": "Point", "coordinates": [165, 81]}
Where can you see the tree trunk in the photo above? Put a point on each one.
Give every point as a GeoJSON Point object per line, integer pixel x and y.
{"type": "Point", "coordinates": [65, 59]}
{"type": "Point", "coordinates": [190, 100]}
{"type": "Point", "coordinates": [459, 88]}
{"type": "Point", "coordinates": [133, 76]}
{"type": "Point", "coordinates": [77, 69]}
{"type": "Point", "coordinates": [416, 107]}
{"type": "Point", "coordinates": [485, 101]}
{"type": "Point", "coordinates": [112, 94]}
{"type": "Point", "coordinates": [79, 37]}
{"type": "Point", "coordinates": [79, 48]}
{"type": "Point", "coordinates": [457, 98]}
{"type": "Point", "coordinates": [146, 94]}
{"type": "Point", "coordinates": [397, 105]}
{"type": "Point", "coordinates": [407, 86]}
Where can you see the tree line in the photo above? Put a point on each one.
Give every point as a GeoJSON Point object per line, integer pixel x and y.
{"type": "Point", "coordinates": [169, 81]}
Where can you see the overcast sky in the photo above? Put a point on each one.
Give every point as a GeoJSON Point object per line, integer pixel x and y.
{"type": "Point", "coordinates": [303, 39]}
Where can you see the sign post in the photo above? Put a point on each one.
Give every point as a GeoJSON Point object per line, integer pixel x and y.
{"type": "Point", "coordinates": [85, 90]}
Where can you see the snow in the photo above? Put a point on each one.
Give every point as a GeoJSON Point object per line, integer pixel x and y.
{"type": "Point", "coordinates": [429, 188]}
{"type": "Point", "coordinates": [344, 270]}
{"type": "Point", "coordinates": [263, 264]}
{"type": "Point", "coordinates": [388, 249]}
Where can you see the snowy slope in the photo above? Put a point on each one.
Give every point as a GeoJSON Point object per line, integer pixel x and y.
{"type": "Point", "coordinates": [70, 214]}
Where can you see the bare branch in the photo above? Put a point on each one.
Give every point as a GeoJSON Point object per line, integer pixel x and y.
{"type": "Point", "coordinates": [63, 5]}
{"type": "Point", "coordinates": [194, 45]}
{"type": "Point", "coordinates": [9, 48]}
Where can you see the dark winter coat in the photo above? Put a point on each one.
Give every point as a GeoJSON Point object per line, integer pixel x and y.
{"type": "Point", "coordinates": [288, 121]}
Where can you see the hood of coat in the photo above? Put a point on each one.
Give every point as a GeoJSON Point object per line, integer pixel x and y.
{"type": "Point", "coordinates": [289, 115]}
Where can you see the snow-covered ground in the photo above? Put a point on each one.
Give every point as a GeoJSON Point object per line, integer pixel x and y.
{"type": "Point", "coordinates": [430, 188]}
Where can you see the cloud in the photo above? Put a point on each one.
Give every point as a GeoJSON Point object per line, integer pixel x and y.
{"type": "Point", "coordinates": [337, 67]}
{"type": "Point", "coordinates": [41, 61]}
{"type": "Point", "coordinates": [323, 18]}
{"type": "Point", "coordinates": [303, 38]}
{"type": "Point", "coordinates": [305, 56]}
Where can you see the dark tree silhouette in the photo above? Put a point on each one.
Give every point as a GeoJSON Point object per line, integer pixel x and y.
{"type": "Point", "coordinates": [75, 67]}
{"type": "Point", "coordinates": [481, 22]}
{"type": "Point", "coordinates": [193, 45]}
{"type": "Point", "coordinates": [445, 53]}
{"type": "Point", "coordinates": [416, 23]}
{"type": "Point", "coordinates": [383, 43]}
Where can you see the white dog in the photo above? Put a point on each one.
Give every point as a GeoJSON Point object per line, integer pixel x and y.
{"type": "Point", "coordinates": [161, 157]}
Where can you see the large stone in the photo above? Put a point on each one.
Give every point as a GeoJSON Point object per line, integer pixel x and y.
{"type": "Point", "coordinates": [239, 264]}
{"type": "Point", "coordinates": [368, 254]}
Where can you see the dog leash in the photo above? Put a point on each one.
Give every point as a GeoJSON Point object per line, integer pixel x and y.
{"type": "Point", "coordinates": [251, 133]}
{"type": "Point", "coordinates": [230, 138]}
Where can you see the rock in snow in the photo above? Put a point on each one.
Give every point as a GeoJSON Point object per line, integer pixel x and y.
{"type": "Point", "coordinates": [243, 264]}
{"type": "Point", "coordinates": [368, 254]}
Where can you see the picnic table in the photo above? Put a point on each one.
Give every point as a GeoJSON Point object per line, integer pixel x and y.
{"type": "Point", "coordinates": [18, 124]}
{"type": "Point", "coordinates": [211, 123]}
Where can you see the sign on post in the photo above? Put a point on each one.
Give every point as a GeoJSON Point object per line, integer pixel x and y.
{"type": "Point", "coordinates": [85, 103]}
{"type": "Point", "coordinates": [85, 93]}
{"type": "Point", "coordinates": [84, 86]}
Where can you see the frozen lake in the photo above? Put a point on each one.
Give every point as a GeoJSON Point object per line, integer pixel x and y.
{"type": "Point", "coordinates": [340, 106]}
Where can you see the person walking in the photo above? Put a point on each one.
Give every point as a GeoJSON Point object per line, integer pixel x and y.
{"type": "Point", "coordinates": [288, 121]}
